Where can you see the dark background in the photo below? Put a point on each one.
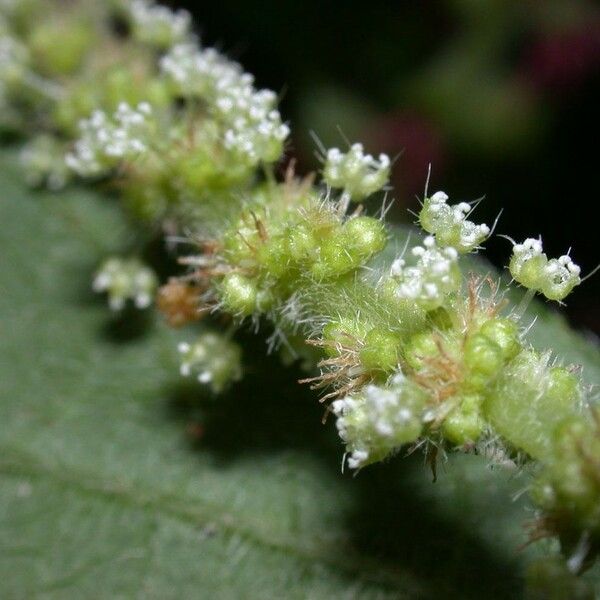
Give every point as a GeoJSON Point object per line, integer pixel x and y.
{"type": "Point", "coordinates": [500, 96]}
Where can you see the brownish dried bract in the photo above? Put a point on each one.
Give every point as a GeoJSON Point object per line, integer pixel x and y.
{"type": "Point", "coordinates": [442, 374]}
{"type": "Point", "coordinates": [479, 303]}
{"type": "Point", "coordinates": [179, 303]}
{"type": "Point", "coordinates": [341, 372]}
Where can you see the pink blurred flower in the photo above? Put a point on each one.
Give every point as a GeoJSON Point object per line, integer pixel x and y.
{"type": "Point", "coordinates": [419, 141]}
{"type": "Point", "coordinates": [562, 60]}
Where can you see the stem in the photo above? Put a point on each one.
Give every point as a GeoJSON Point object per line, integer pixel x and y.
{"type": "Point", "coordinates": [344, 203]}
{"type": "Point", "coordinates": [524, 304]}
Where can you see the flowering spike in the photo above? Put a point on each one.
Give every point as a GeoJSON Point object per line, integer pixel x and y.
{"type": "Point", "coordinates": [417, 354]}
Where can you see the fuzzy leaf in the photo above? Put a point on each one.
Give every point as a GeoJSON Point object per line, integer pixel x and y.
{"type": "Point", "coordinates": [117, 480]}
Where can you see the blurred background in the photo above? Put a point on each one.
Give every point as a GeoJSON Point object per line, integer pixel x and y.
{"type": "Point", "coordinates": [501, 97]}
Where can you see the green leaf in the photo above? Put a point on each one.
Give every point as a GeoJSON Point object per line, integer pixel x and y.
{"type": "Point", "coordinates": [117, 480]}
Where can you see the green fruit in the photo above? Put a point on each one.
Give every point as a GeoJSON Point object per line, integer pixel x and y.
{"type": "Point", "coordinates": [504, 333]}
{"type": "Point", "coordinates": [239, 294]}
{"type": "Point", "coordinates": [334, 260]}
{"type": "Point", "coordinates": [464, 425]}
{"type": "Point", "coordinates": [422, 346]}
{"type": "Point", "coordinates": [483, 359]}
{"type": "Point", "coordinates": [380, 351]}
{"type": "Point", "coordinates": [364, 236]}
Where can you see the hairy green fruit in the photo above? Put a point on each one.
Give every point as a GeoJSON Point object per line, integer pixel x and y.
{"type": "Point", "coordinates": [334, 260]}
{"type": "Point", "coordinates": [464, 425]}
{"type": "Point", "coordinates": [483, 359]}
{"type": "Point", "coordinates": [505, 334]}
{"type": "Point", "coordinates": [380, 351]}
{"type": "Point", "coordinates": [343, 332]}
{"type": "Point", "coordinates": [421, 348]}
{"type": "Point", "coordinates": [239, 294]}
{"type": "Point", "coordinates": [364, 237]}
{"type": "Point", "coordinates": [527, 402]}
{"type": "Point", "coordinates": [302, 244]}
{"type": "Point", "coordinates": [569, 485]}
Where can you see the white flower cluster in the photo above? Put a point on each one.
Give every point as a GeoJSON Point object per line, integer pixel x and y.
{"type": "Point", "coordinates": [200, 73]}
{"type": "Point", "coordinates": [450, 224]}
{"type": "Point", "coordinates": [157, 25]}
{"type": "Point", "coordinates": [555, 278]}
{"type": "Point", "coordinates": [44, 164]}
{"type": "Point", "coordinates": [526, 254]}
{"type": "Point", "coordinates": [435, 274]}
{"type": "Point", "coordinates": [255, 130]}
{"type": "Point", "coordinates": [252, 127]}
{"type": "Point", "coordinates": [106, 141]}
{"type": "Point", "coordinates": [357, 173]}
{"type": "Point", "coordinates": [378, 420]}
{"type": "Point", "coordinates": [126, 279]}
{"type": "Point", "coordinates": [212, 359]}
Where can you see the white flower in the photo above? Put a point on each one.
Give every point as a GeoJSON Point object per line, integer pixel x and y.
{"type": "Point", "coordinates": [555, 278]}
{"type": "Point", "coordinates": [431, 279]}
{"type": "Point", "coordinates": [377, 420]}
{"type": "Point", "coordinates": [450, 224]}
{"type": "Point", "coordinates": [213, 360]}
{"type": "Point", "coordinates": [252, 127]}
{"type": "Point", "coordinates": [105, 141]}
{"type": "Point", "coordinates": [255, 131]}
{"type": "Point", "coordinates": [203, 73]}
{"type": "Point", "coordinates": [158, 25]}
{"type": "Point", "coordinates": [357, 173]}
{"type": "Point", "coordinates": [126, 279]}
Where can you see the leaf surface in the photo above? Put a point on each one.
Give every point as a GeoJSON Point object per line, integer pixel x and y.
{"type": "Point", "coordinates": [118, 481]}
